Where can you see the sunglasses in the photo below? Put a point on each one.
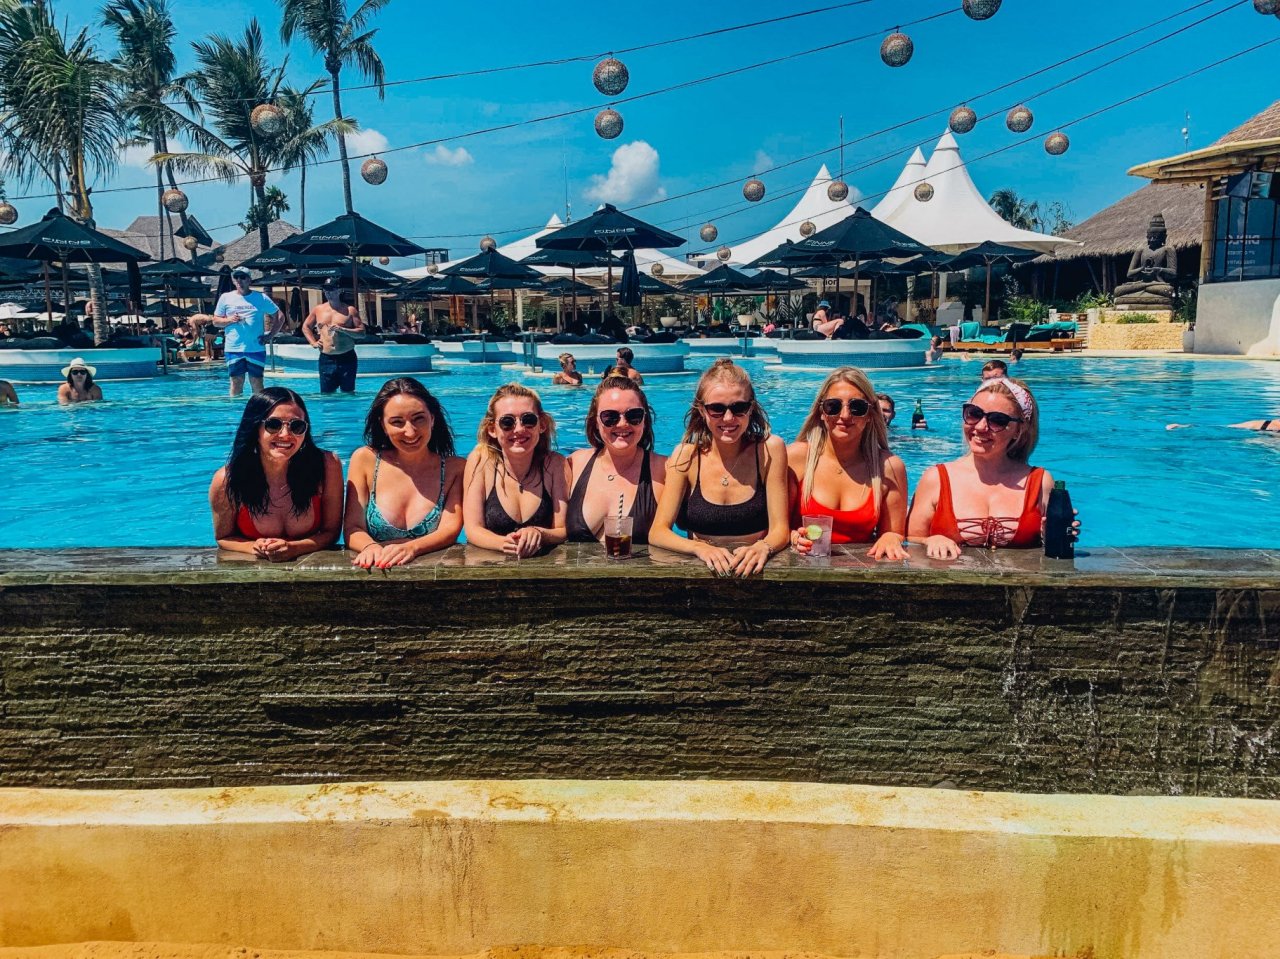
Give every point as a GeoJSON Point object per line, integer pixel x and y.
{"type": "Point", "coordinates": [527, 420]}
{"type": "Point", "coordinates": [634, 416]}
{"type": "Point", "coordinates": [274, 424]}
{"type": "Point", "coordinates": [833, 407]}
{"type": "Point", "coordinates": [740, 408]}
{"type": "Point", "coordinates": [79, 372]}
{"type": "Point", "coordinates": [998, 422]}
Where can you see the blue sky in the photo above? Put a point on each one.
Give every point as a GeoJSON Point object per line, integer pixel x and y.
{"type": "Point", "coordinates": [450, 194]}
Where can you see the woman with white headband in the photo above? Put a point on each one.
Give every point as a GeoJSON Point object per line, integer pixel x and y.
{"type": "Point", "coordinates": [991, 496]}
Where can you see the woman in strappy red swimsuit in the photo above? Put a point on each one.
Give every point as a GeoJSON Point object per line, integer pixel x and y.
{"type": "Point", "coordinates": [991, 496]}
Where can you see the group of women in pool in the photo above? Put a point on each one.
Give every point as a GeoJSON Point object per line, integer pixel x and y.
{"type": "Point", "coordinates": [736, 489]}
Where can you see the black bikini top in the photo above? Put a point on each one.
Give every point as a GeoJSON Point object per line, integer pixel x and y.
{"type": "Point", "coordinates": [643, 507]}
{"type": "Point", "coordinates": [498, 521]}
{"type": "Point", "coordinates": [697, 516]}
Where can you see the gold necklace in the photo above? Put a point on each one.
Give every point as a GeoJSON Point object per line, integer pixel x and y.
{"type": "Point", "coordinates": [728, 471]}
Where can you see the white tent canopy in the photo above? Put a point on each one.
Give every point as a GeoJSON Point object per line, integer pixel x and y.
{"type": "Point", "coordinates": [813, 206]}
{"type": "Point", "coordinates": [902, 188]}
{"type": "Point", "coordinates": [957, 217]}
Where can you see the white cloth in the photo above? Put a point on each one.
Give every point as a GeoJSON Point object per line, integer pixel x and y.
{"type": "Point", "coordinates": [245, 335]}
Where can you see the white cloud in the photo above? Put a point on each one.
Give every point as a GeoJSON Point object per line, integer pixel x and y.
{"type": "Point", "coordinates": [443, 156]}
{"type": "Point", "coordinates": [762, 162]}
{"type": "Point", "coordinates": [367, 140]}
{"type": "Point", "coordinates": [632, 177]}
{"type": "Point", "coordinates": [136, 157]}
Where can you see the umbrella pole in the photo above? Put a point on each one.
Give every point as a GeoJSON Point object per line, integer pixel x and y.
{"type": "Point", "coordinates": [574, 272]}
{"type": "Point", "coordinates": [857, 262]}
{"type": "Point", "coordinates": [986, 310]}
{"type": "Point", "coordinates": [48, 297]}
{"type": "Point", "coordinates": [610, 299]}
{"type": "Point", "coordinates": [66, 290]}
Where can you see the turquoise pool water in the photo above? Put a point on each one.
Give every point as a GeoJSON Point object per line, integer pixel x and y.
{"type": "Point", "coordinates": [134, 470]}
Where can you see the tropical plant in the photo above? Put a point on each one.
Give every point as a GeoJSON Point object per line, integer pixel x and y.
{"type": "Point", "coordinates": [232, 77]}
{"type": "Point", "coordinates": [1131, 318]}
{"type": "Point", "coordinates": [146, 67]}
{"type": "Point", "coordinates": [301, 141]}
{"type": "Point", "coordinates": [60, 115]}
{"type": "Point", "coordinates": [343, 41]}
{"type": "Point", "coordinates": [1053, 217]}
{"type": "Point", "coordinates": [270, 208]}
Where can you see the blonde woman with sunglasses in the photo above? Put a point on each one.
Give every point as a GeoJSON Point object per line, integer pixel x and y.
{"type": "Point", "coordinates": [840, 466]}
{"type": "Point", "coordinates": [515, 487]}
{"type": "Point", "coordinates": [726, 482]}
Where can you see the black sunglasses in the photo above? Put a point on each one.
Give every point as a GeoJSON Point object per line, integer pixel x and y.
{"type": "Point", "coordinates": [634, 416]}
{"type": "Point", "coordinates": [273, 424]}
{"type": "Point", "coordinates": [999, 422]}
{"type": "Point", "coordinates": [740, 408]}
{"type": "Point", "coordinates": [527, 420]}
{"type": "Point", "coordinates": [832, 407]}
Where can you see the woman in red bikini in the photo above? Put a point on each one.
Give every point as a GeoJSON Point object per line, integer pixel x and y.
{"type": "Point", "coordinates": [991, 496]}
{"type": "Point", "coordinates": [840, 466]}
{"type": "Point", "coordinates": [279, 496]}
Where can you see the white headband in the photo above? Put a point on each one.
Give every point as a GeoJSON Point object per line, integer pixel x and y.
{"type": "Point", "coordinates": [1020, 394]}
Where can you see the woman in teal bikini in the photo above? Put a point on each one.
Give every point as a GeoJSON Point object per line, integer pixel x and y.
{"type": "Point", "coordinates": [404, 487]}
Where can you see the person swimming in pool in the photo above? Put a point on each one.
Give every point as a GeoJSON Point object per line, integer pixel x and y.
{"type": "Point", "coordinates": [8, 395]}
{"type": "Point", "coordinates": [279, 496]}
{"type": "Point", "coordinates": [568, 375]}
{"type": "Point", "coordinates": [404, 486]}
{"type": "Point", "coordinates": [1259, 426]}
{"type": "Point", "coordinates": [79, 387]}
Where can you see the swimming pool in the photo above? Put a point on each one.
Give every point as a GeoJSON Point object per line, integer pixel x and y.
{"type": "Point", "coordinates": [134, 470]}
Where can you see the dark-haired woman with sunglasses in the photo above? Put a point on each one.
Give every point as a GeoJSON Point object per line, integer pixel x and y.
{"type": "Point", "coordinates": [620, 467]}
{"type": "Point", "coordinates": [727, 481]}
{"type": "Point", "coordinates": [840, 466]}
{"type": "Point", "coordinates": [404, 486]}
{"type": "Point", "coordinates": [514, 487]}
{"type": "Point", "coordinates": [279, 496]}
{"type": "Point", "coordinates": [991, 496]}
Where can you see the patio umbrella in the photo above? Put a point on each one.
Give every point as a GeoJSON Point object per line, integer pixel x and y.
{"type": "Point", "coordinates": [771, 281]}
{"type": "Point", "coordinates": [295, 305]}
{"type": "Point", "coordinates": [574, 260]}
{"type": "Point", "coordinates": [629, 286]}
{"type": "Point", "coordinates": [371, 277]}
{"type": "Point", "coordinates": [350, 235]}
{"type": "Point", "coordinates": [224, 282]}
{"type": "Point", "coordinates": [931, 262]}
{"type": "Point", "coordinates": [167, 309]}
{"type": "Point", "coordinates": [496, 271]}
{"type": "Point", "coordinates": [720, 281]}
{"type": "Point", "coordinates": [172, 266]}
{"type": "Point", "coordinates": [986, 254]}
{"type": "Point", "coordinates": [608, 228]}
{"type": "Point", "coordinates": [277, 259]}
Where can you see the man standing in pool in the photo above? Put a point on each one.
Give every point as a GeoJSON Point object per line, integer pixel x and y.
{"type": "Point", "coordinates": [328, 328]}
{"type": "Point", "coordinates": [240, 314]}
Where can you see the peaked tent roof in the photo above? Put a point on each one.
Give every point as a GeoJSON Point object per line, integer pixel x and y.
{"type": "Point", "coordinates": [902, 187]}
{"type": "Point", "coordinates": [814, 206]}
{"type": "Point", "coordinates": [957, 217]}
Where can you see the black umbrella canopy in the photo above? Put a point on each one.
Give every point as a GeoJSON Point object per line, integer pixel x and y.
{"type": "Point", "coordinates": [859, 236]}
{"type": "Point", "coordinates": [572, 259]}
{"type": "Point", "coordinates": [295, 305]}
{"type": "Point", "coordinates": [172, 266]}
{"type": "Point", "coordinates": [17, 270]}
{"type": "Point", "coordinates": [772, 280]}
{"type": "Point", "coordinates": [224, 281]}
{"type": "Point", "coordinates": [278, 258]}
{"type": "Point", "coordinates": [492, 283]}
{"type": "Point", "coordinates": [929, 262]}
{"type": "Point", "coordinates": [868, 269]}
{"type": "Point", "coordinates": [439, 286]}
{"type": "Point", "coordinates": [490, 264]}
{"type": "Point", "coordinates": [562, 286]}
{"type": "Point", "coordinates": [629, 286]}
{"type": "Point", "coordinates": [987, 253]}
{"type": "Point", "coordinates": [370, 277]}
{"type": "Point", "coordinates": [722, 279]}
{"type": "Point", "coordinates": [350, 235]}
{"type": "Point", "coordinates": [652, 286]}
{"type": "Point", "coordinates": [31, 302]}
{"type": "Point", "coordinates": [609, 229]}
{"type": "Point", "coordinates": [175, 286]}
{"type": "Point", "coordinates": [59, 238]}
{"type": "Point", "coordinates": [167, 309]}
{"type": "Point", "coordinates": [777, 257]}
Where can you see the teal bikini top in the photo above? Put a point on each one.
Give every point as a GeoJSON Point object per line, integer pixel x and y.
{"type": "Point", "coordinates": [381, 530]}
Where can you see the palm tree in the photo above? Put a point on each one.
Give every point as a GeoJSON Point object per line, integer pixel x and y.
{"type": "Point", "coordinates": [147, 65]}
{"type": "Point", "coordinates": [231, 78]}
{"type": "Point", "coordinates": [273, 206]}
{"type": "Point", "coordinates": [343, 41]}
{"type": "Point", "coordinates": [301, 141]}
{"type": "Point", "coordinates": [60, 115]}
{"type": "Point", "coordinates": [1015, 210]}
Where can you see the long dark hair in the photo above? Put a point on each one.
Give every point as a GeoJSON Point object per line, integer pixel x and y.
{"type": "Point", "coordinates": [614, 380]}
{"type": "Point", "coordinates": [375, 434]}
{"type": "Point", "coordinates": [246, 482]}
{"type": "Point", "coordinates": [88, 378]}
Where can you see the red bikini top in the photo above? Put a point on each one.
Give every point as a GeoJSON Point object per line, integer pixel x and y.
{"type": "Point", "coordinates": [847, 526]}
{"type": "Point", "coordinates": [990, 531]}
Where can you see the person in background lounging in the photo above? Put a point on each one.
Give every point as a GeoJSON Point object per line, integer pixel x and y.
{"type": "Point", "coordinates": [79, 387]}
{"type": "Point", "coordinates": [823, 322]}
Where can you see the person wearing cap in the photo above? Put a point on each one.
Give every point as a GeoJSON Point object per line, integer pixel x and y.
{"type": "Point", "coordinates": [240, 314]}
{"type": "Point", "coordinates": [328, 328]}
{"type": "Point", "coordinates": [79, 387]}
{"type": "Point", "coordinates": [822, 321]}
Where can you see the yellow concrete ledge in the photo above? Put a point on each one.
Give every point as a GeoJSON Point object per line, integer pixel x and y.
{"type": "Point", "coordinates": [459, 868]}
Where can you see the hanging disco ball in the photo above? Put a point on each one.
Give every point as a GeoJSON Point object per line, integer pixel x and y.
{"type": "Point", "coordinates": [808, 229]}
{"type": "Point", "coordinates": [897, 49]}
{"type": "Point", "coordinates": [980, 9]}
{"type": "Point", "coordinates": [190, 242]}
{"type": "Point", "coordinates": [657, 269]}
{"type": "Point", "coordinates": [487, 244]}
{"type": "Point", "coordinates": [1056, 144]}
{"type": "Point", "coordinates": [610, 76]}
{"type": "Point", "coordinates": [220, 256]}
{"type": "Point", "coordinates": [433, 268]}
{"type": "Point", "coordinates": [1019, 119]}
{"type": "Point", "coordinates": [723, 254]}
{"type": "Point", "coordinates": [8, 213]}
{"type": "Point", "coordinates": [1267, 6]}
{"type": "Point", "coordinates": [267, 118]}
{"type": "Point", "coordinates": [709, 233]}
{"type": "Point", "coordinates": [609, 124]}
{"type": "Point", "coordinates": [753, 190]}
{"type": "Point", "coordinates": [963, 119]}
{"type": "Point", "coordinates": [924, 192]}
{"type": "Point", "coordinates": [374, 171]}
{"type": "Point", "coordinates": [175, 201]}
{"type": "Point", "coordinates": [384, 260]}
{"type": "Point", "coordinates": [837, 191]}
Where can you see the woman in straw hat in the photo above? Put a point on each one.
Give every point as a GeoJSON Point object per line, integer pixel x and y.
{"type": "Point", "coordinates": [79, 387]}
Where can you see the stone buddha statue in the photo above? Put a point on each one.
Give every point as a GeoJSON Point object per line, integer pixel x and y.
{"type": "Point", "coordinates": [1152, 272]}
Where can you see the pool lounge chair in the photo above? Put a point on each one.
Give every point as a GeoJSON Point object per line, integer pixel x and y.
{"type": "Point", "coordinates": [1047, 337]}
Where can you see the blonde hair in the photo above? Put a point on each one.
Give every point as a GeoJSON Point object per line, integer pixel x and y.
{"type": "Point", "coordinates": [875, 438]}
{"type": "Point", "coordinates": [1019, 450]}
{"type": "Point", "coordinates": [723, 370]}
{"type": "Point", "coordinates": [490, 446]}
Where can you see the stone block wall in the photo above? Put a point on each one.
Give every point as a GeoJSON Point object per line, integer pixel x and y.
{"type": "Point", "coordinates": [1135, 336]}
{"type": "Point", "coordinates": [980, 675]}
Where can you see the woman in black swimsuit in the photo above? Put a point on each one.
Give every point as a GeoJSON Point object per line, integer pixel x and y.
{"type": "Point", "coordinates": [514, 486]}
{"type": "Point", "coordinates": [727, 482]}
{"type": "Point", "coordinates": [620, 463]}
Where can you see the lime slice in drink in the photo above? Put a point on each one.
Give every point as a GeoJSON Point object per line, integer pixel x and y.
{"type": "Point", "coordinates": [813, 531]}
